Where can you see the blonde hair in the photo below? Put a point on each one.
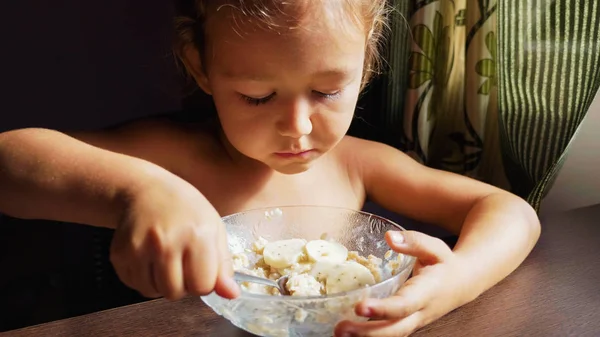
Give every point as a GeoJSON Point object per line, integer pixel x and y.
{"type": "Point", "coordinates": [190, 24]}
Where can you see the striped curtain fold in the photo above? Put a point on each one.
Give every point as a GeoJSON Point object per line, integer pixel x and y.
{"type": "Point", "coordinates": [494, 90]}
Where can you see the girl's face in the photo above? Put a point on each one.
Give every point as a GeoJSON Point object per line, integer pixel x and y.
{"type": "Point", "coordinates": [284, 96]}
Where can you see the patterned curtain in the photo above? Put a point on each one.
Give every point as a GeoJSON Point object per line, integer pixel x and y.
{"type": "Point", "coordinates": [494, 90]}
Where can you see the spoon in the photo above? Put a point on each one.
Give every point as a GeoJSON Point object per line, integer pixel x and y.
{"type": "Point", "coordinates": [279, 283]}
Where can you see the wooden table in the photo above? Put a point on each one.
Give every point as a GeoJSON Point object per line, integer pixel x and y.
{"type": "Point", "coordinates": [556, 292]}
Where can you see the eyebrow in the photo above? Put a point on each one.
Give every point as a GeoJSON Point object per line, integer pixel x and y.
{"type": "Point", "coordinates": [334, 73]}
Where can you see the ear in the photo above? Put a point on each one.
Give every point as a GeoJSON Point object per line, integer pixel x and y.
{"type": "Point", "coordinates": [193, 64]}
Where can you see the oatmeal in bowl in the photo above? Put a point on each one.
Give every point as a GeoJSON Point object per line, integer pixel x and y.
{"type": "Point", "coordinates": [333, 257]}
{"type": "Point", "coordinates": [314, 268]}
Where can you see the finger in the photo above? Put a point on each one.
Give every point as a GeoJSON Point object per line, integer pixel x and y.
{"type": "Point", "coordinates": [385, 328]}
{"type": "Point", "coordinates": [427, 249]}
{"type": "Point", "coordinates": [226, 285]}
{"type": "Point", "coordinates": [411, 298]}
{"type": "Point", "coordinates": [121, 268]}
{"type": "Point", "coordinates": [168, 277]}
{"type": "Point", "coordinates": [406, 302]}
{"type": "Point", "coordinates": [143, 279]}
{"type": "Point", "coordinates": [125, 275]}
{"type": "Point", "coordinates": [200, 269]}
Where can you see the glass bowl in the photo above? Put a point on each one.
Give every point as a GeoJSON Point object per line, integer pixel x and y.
{"type": "Point", "coordinates": [267, 315]}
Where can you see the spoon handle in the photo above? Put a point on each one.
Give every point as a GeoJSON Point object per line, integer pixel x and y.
{"type": "Point", "coordinates": [241, 277]}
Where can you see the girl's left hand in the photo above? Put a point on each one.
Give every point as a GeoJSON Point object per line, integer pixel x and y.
{"type": "Point", "coordinates": [436, 288]}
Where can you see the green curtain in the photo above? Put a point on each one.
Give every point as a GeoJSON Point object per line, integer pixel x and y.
{"type": "Point", "coordinates": [549, 52]}
{"type": "Point", "coordinates": [494, 90]}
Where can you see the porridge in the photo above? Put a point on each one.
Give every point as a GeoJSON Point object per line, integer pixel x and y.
{"type": "Point", "coordinates": [314, 268]}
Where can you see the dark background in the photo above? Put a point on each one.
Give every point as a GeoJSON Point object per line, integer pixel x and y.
{"type": "Point", "coordinates": [68, 64]}
{"type": "Point", "coordinates": [74, 64]}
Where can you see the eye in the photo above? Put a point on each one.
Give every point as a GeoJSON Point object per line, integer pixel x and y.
{"type": "Point", "coordinates": [256, 101]}
{"type": "Point", "coordinates": [329, 96]}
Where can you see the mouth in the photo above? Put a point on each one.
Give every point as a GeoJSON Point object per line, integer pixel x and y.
{"type": "Point", "coordinates": [295, 154]}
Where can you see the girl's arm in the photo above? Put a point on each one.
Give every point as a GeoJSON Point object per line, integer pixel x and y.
{"type": "Point", "coordinates": [497, 230]}
{"type": "Point", "coordinates": [84, 178]}
{"type": "Point", "coordinates": [168, 241]}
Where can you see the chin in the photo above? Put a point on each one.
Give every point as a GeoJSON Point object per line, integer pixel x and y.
{"type": "Point", "coordinates": [293, 168]}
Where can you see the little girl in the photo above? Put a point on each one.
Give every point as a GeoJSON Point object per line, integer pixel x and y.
{"type": "Point", "coordinates": [285, 78]}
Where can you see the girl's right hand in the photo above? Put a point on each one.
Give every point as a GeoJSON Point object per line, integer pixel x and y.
{"type": "Point", "coordinates": [171, 242]}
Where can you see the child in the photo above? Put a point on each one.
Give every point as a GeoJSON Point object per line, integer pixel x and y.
{"type": "Point", "coordinates": [285, 78]}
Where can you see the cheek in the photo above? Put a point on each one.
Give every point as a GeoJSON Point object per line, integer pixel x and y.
{"type": "Point", "coordinates": [244, 136]}
{"type": "Point", "coordinates": [339, 119]}
{"type": "Point", "coordinates": [329, 127]}
{"type": "Point", "coordinates": [340, 123]}
{"type": "Point", "coordinates": [240, 124]}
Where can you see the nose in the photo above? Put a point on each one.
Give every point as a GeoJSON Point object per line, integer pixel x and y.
{"type": "Point", "coordinates": [295, 120]}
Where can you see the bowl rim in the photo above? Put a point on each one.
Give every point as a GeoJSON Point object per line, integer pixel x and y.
{"type": "Point", "coordinates": [407, 263]}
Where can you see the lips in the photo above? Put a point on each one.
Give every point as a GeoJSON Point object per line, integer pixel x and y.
{"type": "Point", "coordinates": [293, 154]}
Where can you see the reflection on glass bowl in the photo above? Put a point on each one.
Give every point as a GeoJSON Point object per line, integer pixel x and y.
{"type": "Point", "coordinates": [267, 315]}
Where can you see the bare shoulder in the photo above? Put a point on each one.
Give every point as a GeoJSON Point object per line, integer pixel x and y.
{"type": "Point", "coordinates": [159, 140]}
{"type": "Point", "coordinates": [354, 143]}
{"type": "Point", "coordinates": [400, 183]}
{"type": "Point", "coordinates": [362, 159]}
{"type": "Point", "coordinates": [365, 154]}
{"type": "Point", "coordinates": [379, 164]}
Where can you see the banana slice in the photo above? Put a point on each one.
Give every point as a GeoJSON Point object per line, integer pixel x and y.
{"type": "Point", "coordinates": [348, 276]}
{"type": "Point", "coordinates": [283, 253]}
{"type": "Point", "coordinates": [321, 251]}
{"type": "Point", "coordinates": [320, 270]}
